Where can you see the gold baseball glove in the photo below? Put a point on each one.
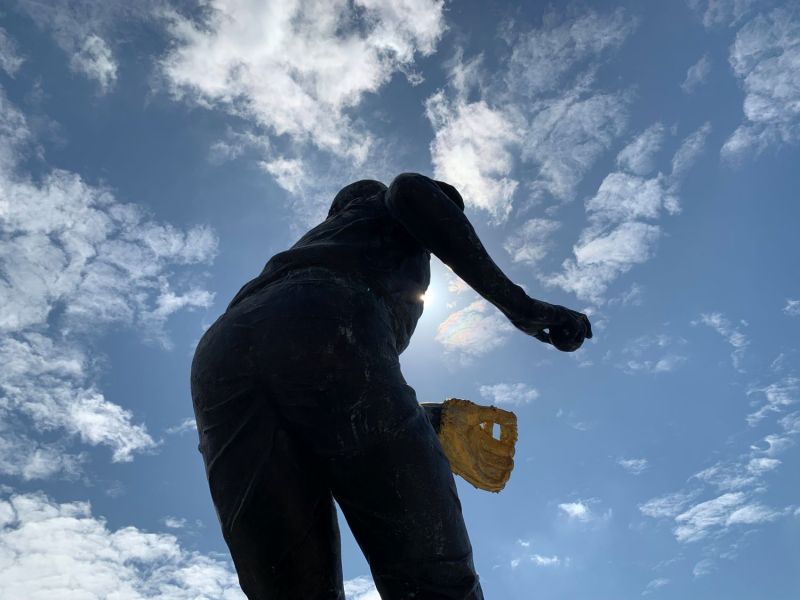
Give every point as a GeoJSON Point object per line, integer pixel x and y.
{"type": "Point", "coordinates": [466, 434]}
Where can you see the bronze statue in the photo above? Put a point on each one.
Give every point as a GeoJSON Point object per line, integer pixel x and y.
{"type": "Point", "coordinates": [300, 400]}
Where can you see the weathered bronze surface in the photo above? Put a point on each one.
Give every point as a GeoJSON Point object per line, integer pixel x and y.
{"type": "Point", "coordinates": [300, 401]}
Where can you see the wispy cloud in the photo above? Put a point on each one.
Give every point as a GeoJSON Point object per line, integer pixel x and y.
{"type": "Point", "coordinates": [531, 241]}
{"type": "Point", "coordinates": [474, 330]}
{"type": "Point", "coordinates": [697, 74]}
{"type": "Point", "coordinates": [639, 156]}
{"type": "Point", "coordinates": [297, 69]}
{"type": "Point", "coordinates": [577, 511]}
{"type": "Point", "coordinates": [764, 57]}
{"type": "Point", "coordinates": [730, 332]}
{"type": "Point", "coordinates": [669, 505]}
{"type": "Point", "coordinates": [733, 508]}
{"type": "Point", "coordinates": [512, 394]}
{"type": "Point", "coordinates": [48, 384]}
{"type": "Point", "coordinates": [655, 584]}
{"type": "Point", "coordinates": [27, 458]}
{"type": "Point", "coordinates": [792, 308]}
{"type": "Point", "coordinates": [778, 396]}
{"type": "Point", "coordinates": [51, 549]}
{"type": "Point", "coordinates": [10, 59]}
{"type": "Point", "coordinates": [86, 29]}
{"type": "Point", "coordinates": [188, 424]}
{"type": "Point", "coordinates": [655, 353]}
{"type": "Point", "coordinates": [634, 466]}
{"type": "Point", "coordinates": [526, 557]}
{"type": "Point", "coordinates": [75, 260]}
{"type": "Point", "coordinates": [472, 150]}
{"type": "Point", "coordinates": [715, 13]}
{"type": "Point", "coordinates": [360, 588]}
{"type": "Point", "coordinates": [543, 109]}
{"type": "Point", "coordinates": [618, 235]}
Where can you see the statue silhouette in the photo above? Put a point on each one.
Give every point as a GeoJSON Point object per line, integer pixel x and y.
{"type": "Point", "coordinates": [300, 401]}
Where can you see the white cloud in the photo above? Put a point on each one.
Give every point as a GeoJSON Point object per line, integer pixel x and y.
{"type": "Point", "coordinates": [188, 424]}
{"type": "Point", "coordinates": [512, 394]}
{"type": "Point", "coordinates": [10, 60]}
{"type": "Point", "coordinates": [174, 522]}
{"type": "Point", "coordinates": [456, 285]}
{"type": "Point", "coordinates": [720, 513]}
{"type": "Point", "coordinates": [689, 151]}
{"type": "Point", "coordinates": [724, 12]}
{"type": "Point", "coordinates": [535, 559]}
{"type": "Point", "coordinates": [546, 105]}
{"type": "Point", "coordinates": [361, 588]}
{"type": "Point", "coordinates": [778, 395]}
{"type": "Point", "coordinates": [623, 197]}
{"type": "Point", "coordinates": [764, 57]}
{"type": "Point", "coordinates": [474, 330]}
{"type": "Point", "coordinates": [634, 466]}
{"type": "Point", "coordinates": [544, 60]}
{"type": "Point", "coordinates": [567, 136]}
{"type": "Point", "coordinates": [288, 172]}
{"type": "Point", "coordinates": [703, 568]}
{"type": "Point", "coordinates": [638, 157]}
{"type": "Point", "coordinates": [664, 364]}
{"type": "Point", "coordinates": [24, 457]}
{"type": "Point", "coordinates": [577, 511]}
{"type": "Point", "coordinates": [655, 584]}
{"type": "Point", "coordinates": [297, 68]}
{"type": "Point", "coordinates": [732, 335]}
{"type": "Point", "coordinates": [85, 30]}
{"type": "Point", "coordinates": [95, 60]}
{"type": "Point", "coordinates": [652, 354]}
{"type": "Point", "coordinates": [601, 258]}
{"type": "Point", "coordinates": [776, 444]}
{"type": "Point", "coordinates": [792, 308]}
{"type": "Point", "coordinates": [551, 78]}
{"type": "Point", "coordinates": [531, 241]}
{"type": "Point", "coordinates": [72, 260]}
{"type": "Point", "coordinates": [697, 74]}
{"type": "Point", "coordinates": [49, 384]}
{"type": "Point", "coordinates": [53, 550]}
{"type": "Point", "coordinates": [617, 238]}
{"type": "Point", "coordinates": [471, 150]}
{"type": "Point", "coordinates": [669, 505]}
{"type": "Point", "coordinates": [695, 523]}
{"type": "Point", "coordinates": [728, 476]}
{"type": "Point", "coordinates": [61, 550]}
{"type": "Point", "coordinates": [545, 561]}
{"type": "Point", "coordinates": [791, 423]}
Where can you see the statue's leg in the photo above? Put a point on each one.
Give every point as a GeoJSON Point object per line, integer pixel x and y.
{"type": "Point", "coordinates": [400, 501]}
{"type": "Point", "coordinates": [270, 494]}
{"type": "Point", "coordinates": [329, 374]}
{"type": "Point", "coordinates": [344, 395]}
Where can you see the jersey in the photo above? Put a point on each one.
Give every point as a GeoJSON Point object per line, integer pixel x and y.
{"type": "Point", "coordinates": [366, 243]}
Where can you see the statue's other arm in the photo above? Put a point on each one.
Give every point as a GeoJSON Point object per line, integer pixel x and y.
{"type": "Point", "coordinates": [437, 223]}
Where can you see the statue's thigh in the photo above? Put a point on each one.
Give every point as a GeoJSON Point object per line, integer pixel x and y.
{"type": "Point", "coordinates": [284, 535]}
{"type": "Point", "coordinates": [271, 494]}
{"type": "Point", "coordinates": [400, 500]}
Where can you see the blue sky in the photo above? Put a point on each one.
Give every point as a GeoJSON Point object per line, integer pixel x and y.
{"type": "Point", "coordinates": [637, 161]}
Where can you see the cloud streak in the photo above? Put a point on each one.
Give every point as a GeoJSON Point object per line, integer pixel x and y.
{"type": "Point", "coordinates": [74, 260]}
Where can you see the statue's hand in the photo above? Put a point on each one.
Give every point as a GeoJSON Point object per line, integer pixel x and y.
{"type": "Point", "coordinates": [568, 330]}
{"type": "Point", "coordinates": [474, 453]}
{"type": "Point", "coordinates": [560, 326]}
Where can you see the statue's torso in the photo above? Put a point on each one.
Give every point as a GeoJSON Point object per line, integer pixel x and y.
{"type": "Point", "coordinates": [365, 243]}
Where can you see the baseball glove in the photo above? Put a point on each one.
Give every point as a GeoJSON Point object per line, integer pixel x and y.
{"type": "Point", "coordinates": [466, 434]}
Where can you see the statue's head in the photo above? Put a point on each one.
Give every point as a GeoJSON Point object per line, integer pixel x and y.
{"type": "Point", "coordinates": [360, 189]}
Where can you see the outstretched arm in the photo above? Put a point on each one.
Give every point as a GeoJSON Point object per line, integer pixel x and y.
{"type": "Point", "coordinates": [435, 220]}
